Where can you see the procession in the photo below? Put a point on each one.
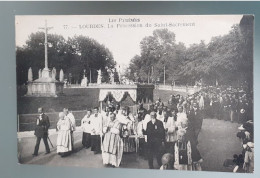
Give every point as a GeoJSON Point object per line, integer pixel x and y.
{"type": "Point", "coordinates": [167, 131]}
{"type": "Point", "coordinates": [162, 98]}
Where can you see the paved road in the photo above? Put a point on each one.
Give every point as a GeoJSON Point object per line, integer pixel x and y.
{"type": "Point", "coordinates": [217, 142]}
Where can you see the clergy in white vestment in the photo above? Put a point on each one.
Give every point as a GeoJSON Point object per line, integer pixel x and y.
{"type": "Point", "coordinates": [171, 132]}
{"type": "Point", "coordinates": [127, 119]}
{"type": "Point", "coordinates": [96, 131]}
{"type": "Point", "coordinates": [159, 114]}
{"type": "Point", "coordinates": [72, 121]}
{"type": "Point", "coordinates": [147, 119]}
{"type": "Point", "coordinates": [86, 127]}
{"type": "Point", "coordinates": [112, 147]}
{"type": "Point", "coordinates": [181, 117]}
{"type": "Point", "coordinates": [106, 116]}
{"type": "Point", "coordinates": [64, 141]}
{"type": "Point", "coordinates": [140, 137]}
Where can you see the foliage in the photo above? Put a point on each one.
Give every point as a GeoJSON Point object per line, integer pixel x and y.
{"type": "Point", "coordinates": [72, 55]}
{"type": "Point", "coordinates": [227, 59]}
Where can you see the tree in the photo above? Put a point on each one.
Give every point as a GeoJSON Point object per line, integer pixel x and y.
{"type": "Point", "coordinates": [157, 51]}
{"type": "Point", "coordinates": [90, 55]}
{"type": "Point", "coordinates": [227, 59]}
{"type": "Point", "coordinates": [32, 55]}
{"type": "Point", "coordinates": [72, 55]}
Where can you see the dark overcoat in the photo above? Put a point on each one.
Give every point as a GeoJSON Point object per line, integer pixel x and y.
{"type": "Point", "coordinates": [42, 126]}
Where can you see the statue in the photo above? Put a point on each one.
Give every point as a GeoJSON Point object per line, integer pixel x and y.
{"type": "Point", "coordinates": [61, 76]}
{"type": "Point", "coordinates": [40, 73]}
{"type": "Point", "coordinates": [84, 81]}
{"type": "Point", "coordinates": [84, 73]}
{"type": "Point", "coordinates": [112, 78]}
{"type": "Point", "coordinates": [30, 75]}
{"type": "Point", "coordinates": [99, 78]}
{"type": "Point", "coordinates": [53, 73]}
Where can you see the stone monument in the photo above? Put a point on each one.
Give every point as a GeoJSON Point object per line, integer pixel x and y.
{"type": "Point", "coordinates": [61, 76]}
{"type": "Point", "coordinates": [53, 73]}
{"type": "Point", "coordinates": [46, 85]}
{"type": "Point", "coordinates": [40, 73]}
{"type": "Point", "coordinates": [30, 75]}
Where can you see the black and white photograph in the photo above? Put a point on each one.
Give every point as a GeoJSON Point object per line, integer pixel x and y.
{"type": "Point", "coordinates": [165, 92]}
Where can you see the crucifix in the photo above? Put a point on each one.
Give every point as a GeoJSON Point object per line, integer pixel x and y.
{"type": "Point", "coordinates": [46, 44]}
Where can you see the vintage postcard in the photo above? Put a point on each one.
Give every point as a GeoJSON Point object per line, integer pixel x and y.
{"type": "Point", "coordinates": [166, 92]}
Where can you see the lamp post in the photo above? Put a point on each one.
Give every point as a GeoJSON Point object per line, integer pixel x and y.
{"type": "Point", "coordinates": [164, 75]}
{"type": "Point", "coordinates": [148, 75]}
{"type": "Point", "coordinates": [90, 81]}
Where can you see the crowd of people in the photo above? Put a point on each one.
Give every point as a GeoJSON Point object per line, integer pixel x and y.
{"type": "Point", "coordinates": [167, 131]}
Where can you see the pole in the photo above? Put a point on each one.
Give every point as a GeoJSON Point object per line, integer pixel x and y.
{"type": "Point", "coordinates": [149, 76]}
{"type": "Point", "coordinates": [50, 142]}
{"type": "Point", "coordinates": [101, 106]}
{"type": "Point", "coordinates": [90, 76]}
{"type": "Point", "coordinates": [46, 46]}
{"type": "Point", "coordinates": [152, 75]}
{"type": "Point", "coordinates": [164, 75]}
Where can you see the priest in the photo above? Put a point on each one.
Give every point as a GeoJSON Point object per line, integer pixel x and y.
{"type": "Point", "coordinates": [64, 139]}
{"type": "Point", "coordinates": [112, 147]}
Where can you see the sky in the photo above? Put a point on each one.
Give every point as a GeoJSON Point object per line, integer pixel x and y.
{"type": "Point", "coordinates": [123, 40]}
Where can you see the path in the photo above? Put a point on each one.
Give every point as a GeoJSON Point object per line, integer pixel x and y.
{"type": "Point", "coordinates": [217, 142]}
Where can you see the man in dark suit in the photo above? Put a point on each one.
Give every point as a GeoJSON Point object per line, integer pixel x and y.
{"type": "Point", "coordinates": [141, 111]}
{"type": "Point", "coordinates": [41, 131]}
{"type": "Point", "coordinates": [155, 139]}
{"type": "Point", "coordinates": [195, 120]}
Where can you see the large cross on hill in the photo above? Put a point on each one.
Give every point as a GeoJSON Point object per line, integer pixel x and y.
{"type": "Point", "coordinates": [46, 43]}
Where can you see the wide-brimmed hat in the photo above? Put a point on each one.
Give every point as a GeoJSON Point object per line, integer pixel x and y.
{"type": "Point", "coordinates": [250, 144]}
{"type": "Point", "coordinates": [241, 128]}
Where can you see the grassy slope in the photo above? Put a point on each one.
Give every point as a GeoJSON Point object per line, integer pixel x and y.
{"type": "Point", "coordinates": [73, 98]}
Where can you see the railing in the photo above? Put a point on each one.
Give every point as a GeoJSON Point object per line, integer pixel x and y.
{"type": "Point", "coordinates": [26, 122]}
{"type": "Point", "coordinates": [186, 89]}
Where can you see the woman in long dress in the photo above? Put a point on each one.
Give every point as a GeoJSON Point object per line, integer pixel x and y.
{"type": "Point", "coordinates": [112, 147]}
{"type": "Point", "coordinates": [64, 141]}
